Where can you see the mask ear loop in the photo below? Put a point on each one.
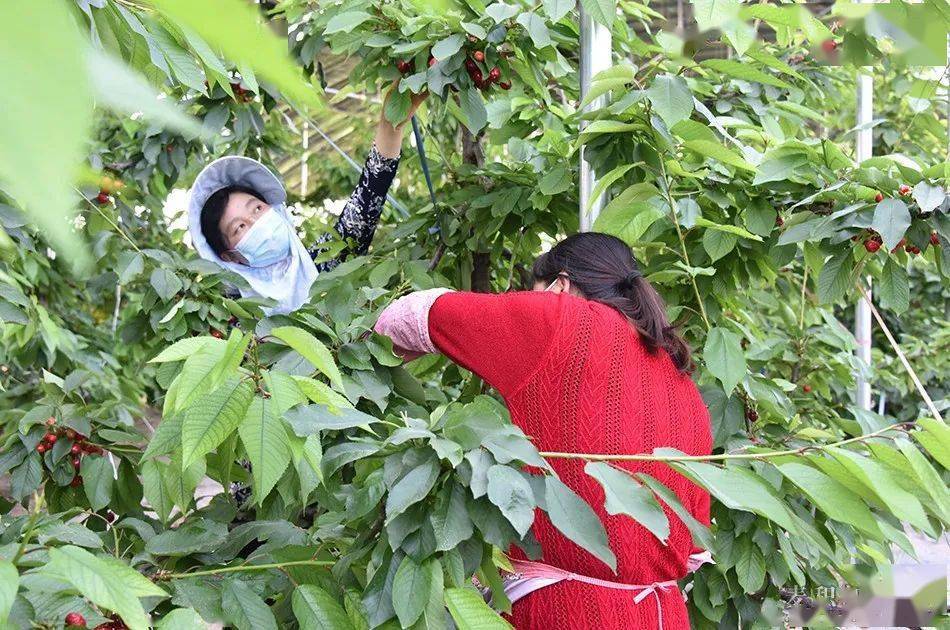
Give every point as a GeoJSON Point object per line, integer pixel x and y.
{"type": "Point", "coordinates": [558, 277]}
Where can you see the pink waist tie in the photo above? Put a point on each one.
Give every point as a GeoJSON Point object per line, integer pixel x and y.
{"type": "Point", "coordinates": [528, 577]}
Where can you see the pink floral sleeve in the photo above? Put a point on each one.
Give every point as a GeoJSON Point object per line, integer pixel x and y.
{"type": "Point", "coordinates": [406, 322]}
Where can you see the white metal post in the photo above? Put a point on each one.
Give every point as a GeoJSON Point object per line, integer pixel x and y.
{"type": "Point", "coordinates": [862, 310]}
{"type": "Point", "coordinates": [596, 46]}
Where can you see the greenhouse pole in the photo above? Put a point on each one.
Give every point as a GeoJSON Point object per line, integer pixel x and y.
{"type": "Point", "coordinates": [595, 56]}
{"type": "Point", "coordinates": [862, 310]}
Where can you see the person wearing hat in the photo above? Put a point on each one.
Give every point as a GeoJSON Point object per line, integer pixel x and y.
{"type": "Point", "coordinates": [238, 218]}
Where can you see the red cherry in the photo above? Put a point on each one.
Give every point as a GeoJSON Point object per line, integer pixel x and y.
{"type": "Point", "coordinates": [76, 482]}
{"type": "Point", "coordinates": [879, 197]}
{"type": "Point", "coordinates": [934, 239]}
{"type": "Point", "coordinates": [470, 64]}
{"type": "Point", "coordinates": [75, 449]}
{"type": "Point", "coordinates": [41, 448]}
{"type": "Point", "coordinates": [50, 421]}
{"type": "Point", "coordinates": [914, 250]}
{"type": "Point", "coordinates": [806, 388]}
{"type": "Point", "coordinates": [871, 245]}
{"type": "Point", "coordinates": [50, 438]}
{"type": "Point", "coordinates": [472, 38]}
{"type": "Point", "coordinates": [71, 434]}
{"type": "Point", "coordinates": [505, 85]}
{"type": "Point", "coordinates": [477, 77]}
{"type": "Point", "coordinates": [75, 620]}
{"type": "Point", "coordinates": [102, 198]}
{"type": "Point", "coordinates": [432, 61]}
{"type": "Point", "coordinates": [478, 56]}
{"type": "Point", "coordinates": [77, 462]}
{"type": "Point", "coordinates": [829, 46]}
{"type": "Point", "coordinates": [751, 415]}
{"type": "Point", "coordinates": [779, 221]}
{"type": "Point", "coordinates": [403, 66]}
{"type": "Point", "coordinates": [110, 516]}
{"type": "Point", "coordinates": [217, 334]}
{"type": "Point", "coordinates": [904, 189]}
{"type": "Point", "coordinates": [494, 74]}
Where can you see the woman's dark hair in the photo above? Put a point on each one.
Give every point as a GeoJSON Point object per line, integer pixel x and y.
{"type": "Point", "coordinates": [603, 268]}
{"type": "Point", "coordinates": [211, 215]}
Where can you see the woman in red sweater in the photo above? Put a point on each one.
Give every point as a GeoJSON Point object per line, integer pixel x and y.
{"type": "Point", "coordinates": [586, 363]}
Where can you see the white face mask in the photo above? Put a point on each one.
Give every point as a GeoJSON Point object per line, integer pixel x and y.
{"type": "Point", "coordinates": [267, 241]}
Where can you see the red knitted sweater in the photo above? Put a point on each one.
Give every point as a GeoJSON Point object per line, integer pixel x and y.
{"type": "Point", "coordinates": [576, 377]}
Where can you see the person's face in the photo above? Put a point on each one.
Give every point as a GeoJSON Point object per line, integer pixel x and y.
{"type": "Point", "coordinates": [241, 212]}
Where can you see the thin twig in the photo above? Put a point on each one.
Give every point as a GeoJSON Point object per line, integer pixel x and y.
{"type": "Point", "coordinates": [30, 525]}
{"type": "Point", "coordinates": [898, 426]}
{"type": "Point", "coordinates": [247, 567]}
{"type": "Point", "coordinates": [109, 221]}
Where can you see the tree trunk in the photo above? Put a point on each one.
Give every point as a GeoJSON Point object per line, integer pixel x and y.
{"type": "Point", "coordinates": [481, 262]}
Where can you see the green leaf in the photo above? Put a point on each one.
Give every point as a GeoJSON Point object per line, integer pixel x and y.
{"type": "Point", "coordinates": [625, 496]}
{"type": "Point", "coordinates": [513, 495]}
{"type": "Point", "coordinates": [555, 181]}
{"type": "Point", "coordinates": [537, 29]}
{"type": "Point", "coordinates": [726, 227]}
{"type": "Point", "coordinates": [473, 108]}
{"type": "Point", "coordinates": [309, 419]}
{"type": "Point", "coordinates": [603, 183]}
{"type": "Point", "coordinates": [153, 487]}
{"type": "Point", "coordinates": [893, 289]}
{"type": "Point", "coordinates": [346, 22]}
{"type": "Point", "coordinates": [397, 107]}
{"type": "Point", "coordinates": [449, 518]}
{"type": "Point", "coordinates": [556, 9]}
{"type": "Point", "coordinates": [310, 348]}
{"type": "Point", "coordinates": [717, 151]}
{"type": "Point", "coordinates": [627, 223]}
{"type": "Point", "coordinates": [738, 489]}
{"type": "Point", "coordinates": [717, 244]}
{"type": "Point", "coordinates": [834, 281]}
{"type": "Point", "coordinates": [123, 90]}
{"type": "Point", "coordinates": [928, 197]}
{"type": "Point", "coordinates": [744, 71]}
{"type": "Point", "coordinates": [9, 583]}
{"type": "Point", "coordinates": [710, 14]}
{"type": "Point", "coordinates": [881, 481]}
{"type": "Point", "coordinates": [111, 585]}
{"type": "Point", "coordinates": [266, 443]}
{"type": "Point", "coordinates": [129, 265]}
{"type": "Point", "coordinates": [891, 220]}
{"type": "Point", "coordinates": [445, 48]}
{"type": "Point", "coordinates": [245, 608]}
{"type": "Point", "coordinates": [928, 477]}
{"type": "Point", "coordinates": [229, 25]}
{"type": "Point", "coordinates": [165, 283]}
{"type": "Point", "coordinates": [193, 537]}
{"type": "Point", "coordinates": [411, 589]}
{"type": "Point", "coordinates": [47, 109]}
{"type": "Point", "coordinates": [724, 357]}
{"type": "Point", "coordinates": [602, 11]}
{"type": "Point", "coordinates": [671, 98]}
{"type": "Point", "coordinates": [181, 619]}
{"type": "Point", "coordinates": [412, 488]}
{"type": "Point", "coordinates": [699, 532]}
{"type": "Point", "coordinates": [212, 418]}
{"type": "Point", "coordinates": [574, 518]}
{"type": "Point", "coordinates": [98, 479]}
{"type": "Point", "coordinates": [750, 565]}
{"type": "Point", "coordinates": [470, 612]}
{"type": "Point", "coordinates": [935, 438]}
{"type": "Point", "coordinates": [831, 497]}
{"type": "Point", "coordinates": [315, 609]}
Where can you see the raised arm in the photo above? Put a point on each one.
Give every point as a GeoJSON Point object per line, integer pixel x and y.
{"type": "Point", "coordinates": [360, 216]}
{"type": "Point", "coordinates": [501, 337]}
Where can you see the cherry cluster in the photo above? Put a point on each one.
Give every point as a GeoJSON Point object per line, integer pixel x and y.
{"type": "Point", "coordinates": [79, 448]}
